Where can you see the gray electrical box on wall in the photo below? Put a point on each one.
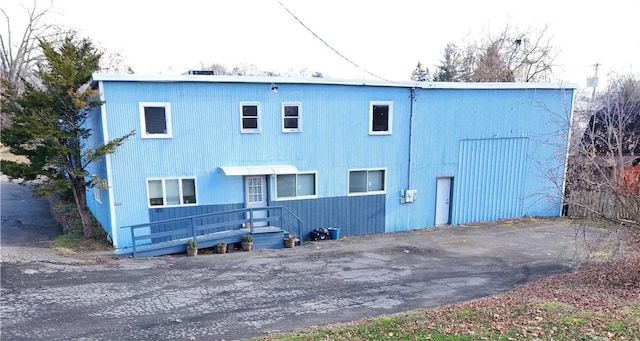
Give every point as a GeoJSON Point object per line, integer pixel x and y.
{"type": "Point", "coordinates": [408, 195]}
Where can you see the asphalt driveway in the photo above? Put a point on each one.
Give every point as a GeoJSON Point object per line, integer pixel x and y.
{"type": "Point", "coordinates": [245, 294]}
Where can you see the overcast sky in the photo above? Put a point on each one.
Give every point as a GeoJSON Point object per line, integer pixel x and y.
{"type": "Point", "coordinates": [386, 38]}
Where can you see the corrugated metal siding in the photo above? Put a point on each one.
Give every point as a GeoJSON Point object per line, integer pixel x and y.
{"type": "Point", "coordinates": [206, 127]}
{"type": "Point", "coordinates": [158, 214]}
{"type": "Point", "coordinates": [354, 215]}
{"type": "Point", "coordinates": [206, 135]}
{"type": "Point", "coordinates": [334, 138]}
{"type": "Point", "coordinates": [100, 210]}
{"type": "Point", "coordinates": [490, 181]}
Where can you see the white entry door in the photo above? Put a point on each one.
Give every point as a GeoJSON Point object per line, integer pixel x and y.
{"type": "Point", "coordinates": [443, 199]}
{"type": "Point", "coordinates": [255, 190]}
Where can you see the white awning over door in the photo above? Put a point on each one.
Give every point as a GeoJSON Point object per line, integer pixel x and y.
{"type": "Point", "coordinates": [259, 170]}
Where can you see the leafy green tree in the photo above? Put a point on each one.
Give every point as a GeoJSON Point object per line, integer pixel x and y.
{"type": "Point", "coordinates": [49, 123]}
{"type": "Point", "coordinates": [420, 74]}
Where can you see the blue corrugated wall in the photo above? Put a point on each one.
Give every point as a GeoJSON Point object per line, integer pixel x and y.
{"type": "Point", "coordinates": [100, 210]}
{"type": "Point", "coordinates": [490, 180]}
{"type": "Point", "coordinates": [334, 138]}
{"type": "Point", "coordinates": [354, 215]}
{"type": "Point", "coordinates": [158, 214]}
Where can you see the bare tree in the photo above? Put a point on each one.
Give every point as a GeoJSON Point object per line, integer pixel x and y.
{"type": "Point", "coordinates": [511, 55]}
{"type": "Point", "coordinates": [114, 63]}
{"type": "Point", "coordinates": [604, 165]}
{"type": "Point", "coordinates": [527, 54]}
{"type": "Point", "coordinates": [218, 68]}
{"type": "Point", "coordinates": [491, 66]}
{"type": "Point", "coordinates": [253, 70]}
{"type": "Point", "coordinates": [20, 51]}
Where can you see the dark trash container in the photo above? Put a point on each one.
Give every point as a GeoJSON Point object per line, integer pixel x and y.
{"type": "Point", "coordinates": [334, 232]}
{"type": "Point", "coordinates": [320, 233]}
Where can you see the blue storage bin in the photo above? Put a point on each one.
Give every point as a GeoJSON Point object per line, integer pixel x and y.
{"type": "Point", "coordinates": [334, 232]}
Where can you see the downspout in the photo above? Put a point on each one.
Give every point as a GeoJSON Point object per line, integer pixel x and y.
{"type": "Point", "coordinates": [412, 96]}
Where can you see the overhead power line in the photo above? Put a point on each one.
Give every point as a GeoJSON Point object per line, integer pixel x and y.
{"type": "Point", "coordinates": [329, 46]}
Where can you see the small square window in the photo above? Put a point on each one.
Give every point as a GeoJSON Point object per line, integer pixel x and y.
{"type": "Point", "coordinates": [357, 181]}
{"type": "Point", "coordinates": [286, 186]}
{"type": "Point", "coordinates": [172, 192]}
{"type": "Point", "coordinates": [97, 195]}
{"type": "Point", "coordinates": [155, 193]}
{"type": "Point", "coordinates": [155, 120]}
{"type": "Point", "coordinates": [290, 186]}
{"type": "Point", "coordinates": [366, 181]}
{"type": "Point", "coordinates": [306, 184]}
{"type": "Point", "coordinates": [291, 117]}
{"type": "Point", "coordinates": [188, 191]}
{"type": "Point", "coordinates": [380, 118]}
{"type": "Point", "coordinates": [250, 117]}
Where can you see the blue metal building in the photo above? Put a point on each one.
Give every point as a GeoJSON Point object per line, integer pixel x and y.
{"type": "Point", "coordinates": [363, 156]}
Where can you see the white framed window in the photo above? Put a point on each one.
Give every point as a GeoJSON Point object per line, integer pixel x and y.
{"type": "Point", "coordinates": [155, 120]}
{"type": "Point", "coordinates": [380, 117]}
{"type": "Point", "coordinates": [366, 181]}
{"type": "Point", "coordinates": [296, 186]}
{"type": "Point", "coordinates": [249, 117]}
{"type": "Point", "coordinates": [97, 195]}
{"type": "Point", "coordinates": [171, 192]}
{"type": "Point", "coordinates": [291, 117]}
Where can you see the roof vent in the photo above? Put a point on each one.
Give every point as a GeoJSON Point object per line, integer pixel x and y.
{"type": "Point", "coordinates": [202, 72]}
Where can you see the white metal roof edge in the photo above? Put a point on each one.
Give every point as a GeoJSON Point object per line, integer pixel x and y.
{"type": "Point", "coordinates": [328, 81]}
{"type": "Point", "coordinates": [258, 170]}
{"type": "Point", "coordinates": [498, 85]}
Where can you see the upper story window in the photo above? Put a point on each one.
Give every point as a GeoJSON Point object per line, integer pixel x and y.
{"type": "Point", "coordinates": [380, 117]}
{"type": "Point", "coordinates": [97, 195]}
{"type": "Point", "coordinates": [290, 186]}
{"type": "Point", "coordinates": [250, 117]}
{"type": "Point", "coordinates": [172, 192]}
{"type": "Point", "coordinates": [155, 120]}
{"type": "Point", "coordinates": [290, 117]}
{"type": "Point", "coordinates": [367, 181]}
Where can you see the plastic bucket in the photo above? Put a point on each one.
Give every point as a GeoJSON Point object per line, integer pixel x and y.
{"type": "Point", "coordinates": [334, 232]}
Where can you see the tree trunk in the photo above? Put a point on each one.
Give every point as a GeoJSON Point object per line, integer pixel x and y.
{"type": "Point", "coordinates": [80, 196]}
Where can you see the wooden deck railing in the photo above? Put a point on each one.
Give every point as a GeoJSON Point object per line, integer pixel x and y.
{"type": "Point", "coordinates": [194, 226]}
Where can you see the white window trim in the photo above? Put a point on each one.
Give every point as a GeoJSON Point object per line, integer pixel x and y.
{"type": "Point", "coordinates": [290, 130]}
{"type": "Point", "coordinates": [297, 197]}
{"type": "Point", "coordinates": [390, 130]}
{"type": "Point", "coordinates": [97, 195]}
{"type": "Point", "coordinates": [250, 131]}
{"type": "Point", "coordinates": [164, 191]}
{"type": "Point", "coordinates": [167, 116]}
{"type": "Point", "coordinates": [384, 183]}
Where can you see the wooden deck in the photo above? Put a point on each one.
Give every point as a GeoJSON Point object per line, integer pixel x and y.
{"type": "Point", "coordinates": [268, 237]}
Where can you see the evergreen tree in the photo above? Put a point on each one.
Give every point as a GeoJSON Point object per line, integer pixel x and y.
{"type": "Point", "coordinates": [449, 68]}
{"type": "Point", "coordinates": [49, 123]}
{"type": "Point", "coordinates": [420, 74]}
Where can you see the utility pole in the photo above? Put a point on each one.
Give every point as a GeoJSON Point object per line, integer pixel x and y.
{"type": "Point", "coordinates": [594, 82]}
